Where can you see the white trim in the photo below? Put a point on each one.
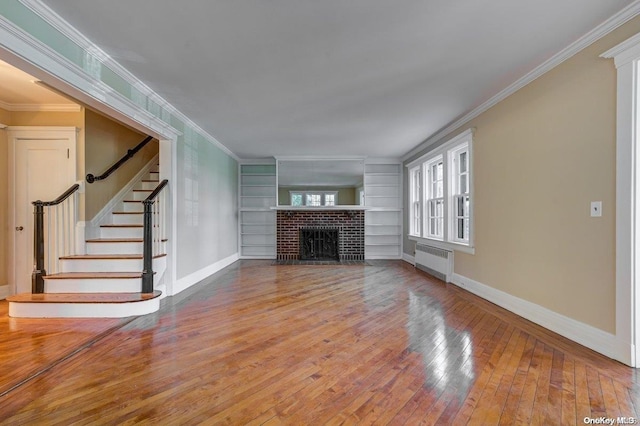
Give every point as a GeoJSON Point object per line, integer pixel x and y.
{"type": "Point", "coordinates": [409, 259]}
{"type": "Point", "coordinates": [626, 56]}
{"type": "Point", "coordinates": [169, 170]}
{"type": "Point", "coordinates": [317, 208]}
{"type": "Point", "coordinates": [382, 160]}
{"type": "Point", "coordinates": [600, 341]}
{"type": "Point", "coordinates": [41, 107]}
{"type": "Point", "coordinates": [318, 157]}
{"type": "Point", "coordinates": [73, 80]}
{"type": "Point", "coordinates": [624, 52]}
{"type": "Point", "coordinates": [195, 277]}
{"type": "Point", "coordinates": [56, 21]}
{"type": "Point", "coordinates": [104, 215]}
{"type": "Point", "coordinates": [595, 34]}
{"type": "Point", "coordinates": [446, 245]}
{"type": "Point", "coordinates": [444, 147]}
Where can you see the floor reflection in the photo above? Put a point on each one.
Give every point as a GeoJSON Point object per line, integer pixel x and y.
{"type": "Point", "coordinates": [447, 352]}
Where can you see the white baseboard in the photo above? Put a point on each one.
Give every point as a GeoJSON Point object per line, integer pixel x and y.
{"type": "Point", "coordinates": [5, 291]}
{"type": "Point", "coordinates": [195, 277]}
{"type": "Point", "coordinates": [104, 215]}
{"type": "Point", "coordinates": [409, 259]}
{"type": "Point", "coordinates": [600, 341]}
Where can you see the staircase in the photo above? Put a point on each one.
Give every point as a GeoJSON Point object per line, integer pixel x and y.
{"type": "Point", "coordinates": [105, 282]}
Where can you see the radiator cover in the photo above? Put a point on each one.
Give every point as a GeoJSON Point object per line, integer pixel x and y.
{"type": "Point", "coordinates": [435, 261]}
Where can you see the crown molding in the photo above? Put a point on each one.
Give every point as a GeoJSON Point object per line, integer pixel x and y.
{"type": "Point", "coordinates": [592, 36]}
{"type": "Point", "coordinates": [40, 107]}
{"type": "Point", "coordinates": [57, 22]}
{"type": "Point", "coordinates": [42, 58]}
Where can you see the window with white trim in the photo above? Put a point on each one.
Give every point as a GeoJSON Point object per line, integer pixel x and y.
{"type": "Point", "coordinates": [459, 159]}
{"type": "Point", "coordinates": [435, 198]}
{"type": "Point", "coordinates": [415, 212]}
{"type": "Point", "coordinates": [313, 198]}
{"type": "Point", "coordinates": [440, 193]}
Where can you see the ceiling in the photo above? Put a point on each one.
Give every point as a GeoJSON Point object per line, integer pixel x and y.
{"type": "Point", "coordinates": [309, 77]}
{"type": "Point", "coordinates": [18, 92]}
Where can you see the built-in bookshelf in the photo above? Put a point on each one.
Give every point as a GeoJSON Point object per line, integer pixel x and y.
{"type": "Point", "coordinates": [257, 219]}
{"type": "Point", "coordinates": [383, 219]}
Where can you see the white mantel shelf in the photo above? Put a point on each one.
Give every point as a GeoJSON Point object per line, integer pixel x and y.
{"type": "Point", "coordinates": [319, 208]}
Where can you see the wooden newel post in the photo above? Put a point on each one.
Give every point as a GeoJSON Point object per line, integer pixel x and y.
{"type": "Point", "coordinates": [37, 280]}
{"type": "Point", "coordinates": [147, 249]}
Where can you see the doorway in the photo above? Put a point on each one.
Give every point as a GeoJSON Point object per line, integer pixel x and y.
{"type": "Point", "coordinates": [42, 166]}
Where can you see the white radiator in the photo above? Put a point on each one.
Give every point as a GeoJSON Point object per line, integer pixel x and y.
{"type": "Point", "coordinates": [435, 261]}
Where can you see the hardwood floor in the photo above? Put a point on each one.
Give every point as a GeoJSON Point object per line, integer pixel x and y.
{"type": "Point", "coordinates": [308, 345]}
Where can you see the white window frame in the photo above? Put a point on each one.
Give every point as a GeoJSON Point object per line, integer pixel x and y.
{"type": "Point", "coordinates": [448, 153]}
{"type": "Point", "coordinates": [415, 203]}
{"type": "Point", "coordinates": [431, 200]}
{"type": "Point", "coordinates": [455, 179]}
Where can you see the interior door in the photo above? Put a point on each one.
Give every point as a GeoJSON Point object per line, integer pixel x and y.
{"type": "Point", "coordinates": [44, 168]}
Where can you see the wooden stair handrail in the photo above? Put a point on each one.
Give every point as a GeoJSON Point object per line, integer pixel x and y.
{"type": "Point", "coordinates": [147, 237]}
{"type": "Point", "coordinates": [37, 280]}
{"type": "Point", "coordinates": [130, 153]}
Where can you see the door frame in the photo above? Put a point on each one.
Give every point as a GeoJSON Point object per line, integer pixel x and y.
{"type": "Point", "coordinates": [14, 135]}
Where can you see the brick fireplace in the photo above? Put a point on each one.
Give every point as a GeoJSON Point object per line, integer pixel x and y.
{"type": "Point", "coordinates": [349, 224]}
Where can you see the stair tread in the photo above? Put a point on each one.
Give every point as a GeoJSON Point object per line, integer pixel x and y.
{"type": "Point", "coordinates": [108, 256]}
{"type": "Point", "coordinates": [83, 297]}
{"type": "Point", "coordinates": [90, 275]}
{"type": "Point", "coordinates": [143, 190]}
{"type": "Point", "coordinates": [150, 180]}
{"type": "Point", "coordinates": [129, 225]}
{"type": "Point", "coordinates": [132, 201]}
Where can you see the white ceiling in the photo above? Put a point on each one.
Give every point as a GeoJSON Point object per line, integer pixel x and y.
{"type": "Point", "coordinates": [19, 92]}
{"type": "Point", "coordinates": [310, 77]}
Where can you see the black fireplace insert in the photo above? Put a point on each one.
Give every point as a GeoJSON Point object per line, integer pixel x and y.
{"type": "Point", "coordinates": [319, 244]}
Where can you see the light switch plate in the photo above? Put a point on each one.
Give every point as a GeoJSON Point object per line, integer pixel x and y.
{"type": "Point", "coordinates": [596, 208]}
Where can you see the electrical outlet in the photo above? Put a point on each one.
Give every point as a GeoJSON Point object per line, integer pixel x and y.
{"type": "Point", "coordinates": [596, 208]}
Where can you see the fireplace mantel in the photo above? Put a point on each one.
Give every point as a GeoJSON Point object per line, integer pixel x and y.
{"type": "Point", "coordinates": [319, 208]}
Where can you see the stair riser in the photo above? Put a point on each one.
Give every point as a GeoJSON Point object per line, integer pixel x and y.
{"type": "Point", "coordinates": [138, 195]}
{"type": "Point", "coordinates": [127, 219]}
{"type": "Point", "coordinates": [132, 207]}
{"type": "Point", "coordinates": [147, 185]}
{"type": "Point", "coordinates": [83, 310]}
{"type": "Point", "coordinates": [120, 232]}
{"type": "Point", "coordinates": [114, 248]}
{"type": "Point", "coordinates": [101, 265]}
{"type": "Point", "coordinates": [106, 265]}
{"type": "Point", "coordinates": [117, 248]}
{"type": "Point", "coordinates": [121, 285]}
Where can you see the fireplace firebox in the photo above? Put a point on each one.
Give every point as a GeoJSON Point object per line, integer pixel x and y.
{"type": "Point", "coordinates": [319, 244]}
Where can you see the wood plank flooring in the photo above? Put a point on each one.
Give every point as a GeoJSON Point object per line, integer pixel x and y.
{"type": "Point", "coordinates": [308, 345]}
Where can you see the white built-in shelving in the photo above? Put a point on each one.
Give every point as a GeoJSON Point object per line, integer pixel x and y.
{"type": "Point", "coordinates": [383, 219]}
{"type": "Point", "coordinates": [257, 219]}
